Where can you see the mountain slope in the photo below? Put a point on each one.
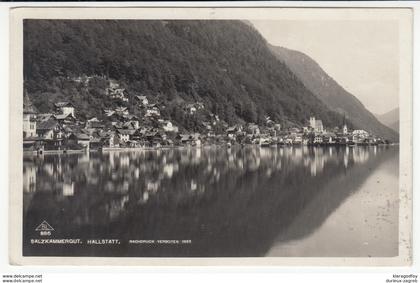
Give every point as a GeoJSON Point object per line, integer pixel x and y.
{"type": "Point", "coordinates": [224, 64]}
{"type": "Point", "coordinates": [330, 92]}
{"type": "Point", "coordinates": [391, 119]}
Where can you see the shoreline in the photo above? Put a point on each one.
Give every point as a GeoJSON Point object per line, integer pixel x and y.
{"type": "Point", "coordinates": [138, 149]}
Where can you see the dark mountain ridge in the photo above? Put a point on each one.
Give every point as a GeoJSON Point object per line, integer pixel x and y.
{"type": "Point", "coordinates": [226, 65]}
{"type": "Point", "coordinates": [335, 97]}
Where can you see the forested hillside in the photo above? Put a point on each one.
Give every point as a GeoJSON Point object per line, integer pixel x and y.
{"type": "Point", "coordinates": [226, 65]}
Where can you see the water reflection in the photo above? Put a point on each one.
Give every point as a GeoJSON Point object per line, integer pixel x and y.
{"type": "Point", "coordinates": [229, 202]}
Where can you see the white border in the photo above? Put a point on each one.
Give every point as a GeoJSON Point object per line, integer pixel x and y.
{"type": "Point", "coordinates": [333, 262]}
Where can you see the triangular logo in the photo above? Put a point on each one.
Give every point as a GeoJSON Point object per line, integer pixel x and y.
{"type": "Point", "coordinates": [44, 226]}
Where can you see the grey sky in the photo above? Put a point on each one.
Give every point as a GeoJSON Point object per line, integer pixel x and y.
{"type": "Point", "coordinates": [362, 56]}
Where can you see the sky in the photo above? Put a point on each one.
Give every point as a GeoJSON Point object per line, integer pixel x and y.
{"type": "Point", "coordinates": [362, 56]}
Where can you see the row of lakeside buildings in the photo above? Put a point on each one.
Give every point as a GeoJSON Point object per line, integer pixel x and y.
{"type": "Point", "coordinates": [63, 131]}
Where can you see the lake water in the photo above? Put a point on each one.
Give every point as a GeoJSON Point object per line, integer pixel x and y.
{"type": "Point", "coordinates": [251, 201]}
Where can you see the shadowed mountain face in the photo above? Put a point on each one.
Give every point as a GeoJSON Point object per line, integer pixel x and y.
{"type": "Point", "coordinates": [331, 93]}
{"type": "Point", "coordinates": [226, 65]}
{"type": "Point", "coordinates": [391, 119]}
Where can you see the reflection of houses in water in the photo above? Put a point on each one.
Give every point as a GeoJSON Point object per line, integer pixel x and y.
{"type": "Point", "coordinates": [163, 183]}
{"type": "Point", "coordinates": [197, 156]}
{"type": "Point", "coordinates": [29, 184]}
{"type": "Point", "coordinates": [346, 157]}
{"type": "Point", "coordinates": [193, 185]}
{"type": "Point", "coordinates": [153, 186]}
{"type": "Point", "coordinates": [360, 155]}
{"type": "Point", "coordinates": [136, 173]}
{"type": "Point", "coordinates": [112, 157]}
{"type": "Point", "coordinates": [317, 162]}
{"type": "Point", "coordinates": [124, 188]}
{"type": "Point", "coordinates": [170, 169]}
{"type": "Point", "coordinates": [49, 168]}
{"type": "Point", "coordinates": [144, 198]}
{"type": "Point", "coordinates": [68, 189]}
{"type": "Point", "coordinates": [297, 155]}
{"type": "Point", "coordinates": [84, 158]}
{"type": "Point", "coordinates": [124, 161]}
{"type": "Point", "coordinates": [253, 160]}
{"type": "Point", "coordinates": [29, 178]}
{"type": "Point", "coordinates": [117, 206]}
{"type": "Point", "coordinates": [197, 187]}
{"type": "Point", "coordinates": [216, 175]}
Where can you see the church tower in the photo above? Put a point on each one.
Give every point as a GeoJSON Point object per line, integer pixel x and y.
{"type": "Point", "coordinates": [345, 130]}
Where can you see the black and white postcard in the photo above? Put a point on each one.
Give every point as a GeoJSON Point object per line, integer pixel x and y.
{"type": "Point", "coordinates": [211, 136]}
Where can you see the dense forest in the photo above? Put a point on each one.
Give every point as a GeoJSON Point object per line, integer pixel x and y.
{"type": "Point", "coordinates": [226, 65]}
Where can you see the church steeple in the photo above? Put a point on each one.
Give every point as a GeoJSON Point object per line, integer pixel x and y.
{"type": "Point", "coordinates": [345, 130]}
{"type": "Point", "coordinates": [28, 107]}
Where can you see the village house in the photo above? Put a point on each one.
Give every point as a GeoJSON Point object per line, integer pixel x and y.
{"type": "Point", "coordinates": [124, 135]}
{"type": "Point", "coordinates": [41, 117]}
{"type": "Point", "coordinates": [95, 141]}
{"type": "Point", "coordinates": [29, 123]}
{"type": "Point", "coordinates": [155, 138]}
{"type": "Point", "coordinates": [297, 138]}
{"type": "Point", "coordinates": [51, 133]}
{"type": "Point", "coordinates": [167, 126]}
{"type": "Point", "coordinates": [268, 121]}
{"type": "Point", "coordinates": [109, 112]}
{"type": "Point", "coordinates": [131, 125]}
{"type": "Point", "coordinates": [196, 139]}
{"type": "Point", "coordinates": [361, 134]}
{"type": "Point", "coordinates": [152, 111]}
{"type": "Point", "coordinates": [318, 139]}
{"type": "Point", "coordinates": [94, 123]}
{"type": "Point", "coordinates": [329, 138]}
{"type": "Point", "coordinates": [79, 138]}
{"type": "Point", "coordinates": [234, 129]}
{"type": "Point", "coordinates": [109, 139]}
{"type": "Point", "coordinates": [192, 108]}
{"type": "Point", "coordinates": [49, 130]}
{"type": "Point", "coordinates": [121, 110]}
{"type": "Point", "coordinates": [64, 108]}
{"type": "Point", "coordinates": [143, 100]}
{"type": "Point", "coordinates": [316, 125]}
{"type": "Point", "coordinates": [253, 129]}
{"type": "Point", "coordinates": [115, 91]}
{"type": "Point", "coordinates": [183, 139]}
{"type": "Point", "coordinates": [67, 118]}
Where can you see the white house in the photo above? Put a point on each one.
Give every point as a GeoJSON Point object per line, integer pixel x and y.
{"type": "Point", "coordinates": [316, 125]}
{"type": "Point", "coordinates": [121, 110]}
{"type": "Point", "coordinates": [143, 99]}
{"type": "Point", "coordinates": [124, 135]}
{"type": "Point", "coordinates": [65, 108]}
{"type": "Point", "coordinates": [29, 125]}
{"type": "Point", "coordinates": [318, 139]}
{"type": "Point", "coordinates": [154, 111]}
{"type": "Point", "coordinates": [169, 127]}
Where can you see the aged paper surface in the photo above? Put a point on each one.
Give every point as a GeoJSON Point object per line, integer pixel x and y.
{"type": "Point", "coordinates": [402, 18]}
